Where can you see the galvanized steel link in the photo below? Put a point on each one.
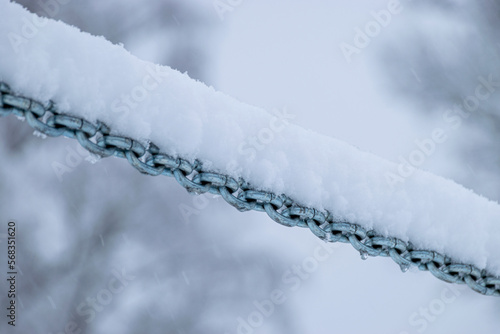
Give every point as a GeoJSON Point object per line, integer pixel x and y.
{"type": "Point", "coordinates": [147, 159]}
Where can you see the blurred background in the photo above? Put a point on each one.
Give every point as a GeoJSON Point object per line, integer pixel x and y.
{"type": "Point", "coordinates": [103, 249]}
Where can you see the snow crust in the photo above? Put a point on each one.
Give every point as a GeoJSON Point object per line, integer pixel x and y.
{"type": "Point", "coordinates": [87, 76]}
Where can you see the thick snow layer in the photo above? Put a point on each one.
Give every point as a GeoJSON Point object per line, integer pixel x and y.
{"type": "Point", "coordinates": [89, 77]}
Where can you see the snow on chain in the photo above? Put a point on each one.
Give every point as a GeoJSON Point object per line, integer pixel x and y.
{"type": "Point", "coordinates": [89, 77]}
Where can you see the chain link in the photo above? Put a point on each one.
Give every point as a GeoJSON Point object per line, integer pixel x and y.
{"type": "Point", "coordinates": [148, 159]}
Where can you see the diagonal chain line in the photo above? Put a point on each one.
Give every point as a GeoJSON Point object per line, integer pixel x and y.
{"type": "Point", "coordinates": [148, 159]}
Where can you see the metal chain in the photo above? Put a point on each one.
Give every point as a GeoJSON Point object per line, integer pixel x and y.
{"type": "Point", "coordinates": [148, 159]}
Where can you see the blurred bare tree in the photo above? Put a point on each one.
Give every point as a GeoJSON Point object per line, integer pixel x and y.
{"type": "Point", "coordinates": [107, 250]}
{"type": "Point", "coordinates": [436, 63]}
{"type": "Point", "coordinates": [172, 32]}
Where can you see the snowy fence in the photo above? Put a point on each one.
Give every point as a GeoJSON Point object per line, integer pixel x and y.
{"type": "Point", "coordinates": [96, 138]}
